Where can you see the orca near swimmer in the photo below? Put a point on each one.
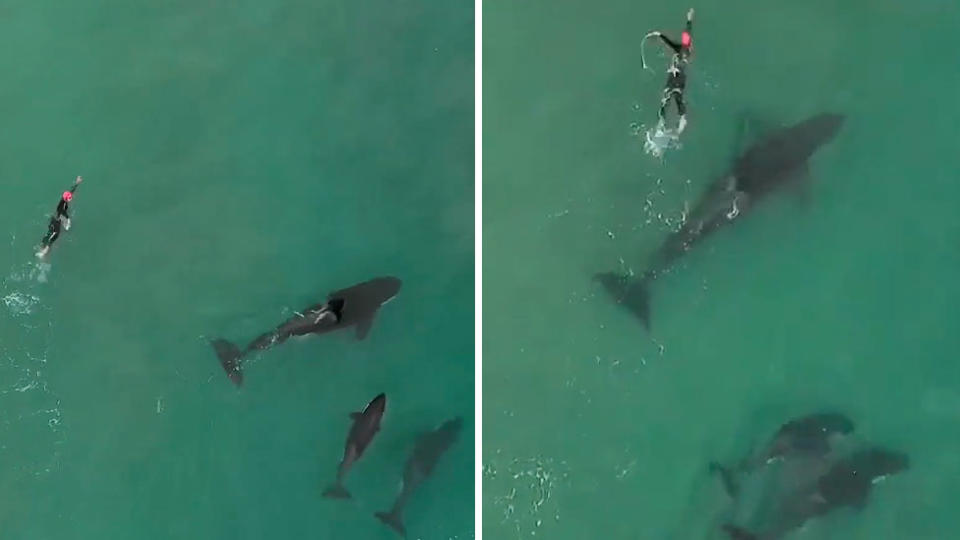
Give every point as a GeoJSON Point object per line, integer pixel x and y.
{"type": "Point", "coordinates": [776, 161]}
{"type": "Point", "coordinates": [354, 306]}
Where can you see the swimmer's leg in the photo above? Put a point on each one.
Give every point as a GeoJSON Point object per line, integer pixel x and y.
{"type": "Point", "coordinates": [681, 110]}
{"type": "Point", "coordinates": [663, 107]}
{"type": "Point", "coordinates": [50, 238]}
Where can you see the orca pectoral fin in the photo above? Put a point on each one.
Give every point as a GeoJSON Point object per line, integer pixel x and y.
{"type": "Point", "coordinates": [730, 484]}
{"type": "Point", "coordinates": [336, 491]}
{"type": "Point", "coordinates": [628, 291]}
{"type": "Point", "coordinates": [738, 533]}
{"type": "Point", "coordinates": [752, 125]}
{"type": "Point", "coordinates": [363, 327]}
{"type": "Point", "coordinates": [756, 124]}
{"type": "Point", "coordinates": [800, 185]}
{"type": "Point", "coordinates": [860, 500]}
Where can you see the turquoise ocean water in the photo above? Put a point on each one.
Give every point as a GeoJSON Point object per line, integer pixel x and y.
{"type": "Point", "coordinates": [594, 428]}
{"type": "Point", "coordinates": [240, 161]}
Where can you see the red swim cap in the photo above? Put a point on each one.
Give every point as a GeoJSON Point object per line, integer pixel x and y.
{"type": "Point", "coordinates": [67, 196]}
{"type": "Point", "coordinates": [685, 39]}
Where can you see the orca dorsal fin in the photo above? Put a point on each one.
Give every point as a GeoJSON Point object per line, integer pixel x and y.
{"type": "Point", "coordinates": [336, 306]}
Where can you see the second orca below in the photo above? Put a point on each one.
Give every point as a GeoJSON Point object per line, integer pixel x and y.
{"type": "Point", "coordinates": [430, 446]}
{"type": "Point", "coordinates": [847, 484]}
{"type": "Point", "coordinates": [809, 435]}
{"type": "Point", "coordinates": [354, 306]}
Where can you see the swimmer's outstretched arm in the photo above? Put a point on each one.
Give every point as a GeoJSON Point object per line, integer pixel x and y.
{"type": "Point", "coordinates": [673, 44]}
{"type": "Point", "coordinates": [76, 183]}
{"type": "Point", "coordinates": [669, 42]}
{"type": "Point", "coordinates": [62, 208]}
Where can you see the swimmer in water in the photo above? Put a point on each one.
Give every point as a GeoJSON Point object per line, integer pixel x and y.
{"type": "Point", "coordinates": [676, 74]}
{"type": "Point", "coordinates": [60, 219]}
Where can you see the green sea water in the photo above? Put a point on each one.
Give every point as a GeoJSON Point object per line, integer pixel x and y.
{"type": "Point", "coordinates": [240, 161]}
{"type": "Point", "coordinates": [845, 299]}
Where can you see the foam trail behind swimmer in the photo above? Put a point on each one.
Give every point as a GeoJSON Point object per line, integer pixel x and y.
{"type": "Point", "coordinates": [659, 140]}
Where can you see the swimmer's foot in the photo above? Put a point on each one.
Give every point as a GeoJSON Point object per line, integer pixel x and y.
{"type": "Point", "coordinates": [43, 252]}
{"type": "Point", "coordinates": [682, 125]}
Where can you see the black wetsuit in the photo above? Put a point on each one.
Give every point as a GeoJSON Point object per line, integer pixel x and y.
{"type": "Point", "coordinates": [56, 222]}
{"type": "Point", "coordinates": [676, 76]}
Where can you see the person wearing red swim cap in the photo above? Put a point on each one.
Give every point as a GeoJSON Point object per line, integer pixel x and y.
{"type": "Point", "coordinates": [676, 76]}
{"type": "Point", "coordinates": [61, 218]}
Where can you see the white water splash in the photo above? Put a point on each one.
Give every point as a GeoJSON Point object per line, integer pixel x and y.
{"type": "Point", "coordinates": [40, 272]}
{"type": "Point", "coordinates": [660, 139]}
{"type": "Point", "coordinates": [530, 502]}
{"type": "Point", "coordinates": [20, 303]}
{"type": "Point", "coordinates": [31, 422]}
{"type": "Point", "coordinates": [37, 271]}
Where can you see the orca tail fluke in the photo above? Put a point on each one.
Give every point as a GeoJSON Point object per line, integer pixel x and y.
{"type": "Point", "coordinates": [739, 533]}
{"type": "Point", "coordinates": [229, 356]}
{"type": "Point", "coordinates": [726, 475]}
{"type": "Point", "coordinates": [394, 521]}
{"type": "Point", "coordinates": [630, 291]}
{"type": "Point", "coordinates": [336, 491]}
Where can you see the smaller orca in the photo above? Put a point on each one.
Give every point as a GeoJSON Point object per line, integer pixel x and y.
{"type": "Point", "coordinates": [366, 424]}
